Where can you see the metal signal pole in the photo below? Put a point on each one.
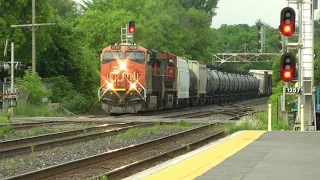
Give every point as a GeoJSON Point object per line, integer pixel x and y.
{"type": "Point", "coordinates": [305, 119]}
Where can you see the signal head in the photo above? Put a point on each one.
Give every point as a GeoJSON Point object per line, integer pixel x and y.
{"type": "Point", "coordinates": [287, 67]}
{"type": "Point", "coordinates": [287, 21]}
{"type": "Point", "coordinates": [132, 28]}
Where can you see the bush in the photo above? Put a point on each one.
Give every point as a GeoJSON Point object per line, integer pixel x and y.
{"type": "Point", "coordinates": [78, 104]}
{"type": "Point", "coordinates": [64, 93]}
{"type": "Point", "coordinates": [62, 89]}
{"type": "Point", "coordinates": [31, 82]}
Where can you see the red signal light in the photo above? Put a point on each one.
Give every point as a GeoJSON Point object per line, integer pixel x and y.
{"type": "Point", "coordinates": [287, 21]}
{"type": "Point", "coordinates": [287, 74]}
{"type": "Point", "coordinates": [287, 29]}
{"type": "Point", "coordinates": [131, 30]}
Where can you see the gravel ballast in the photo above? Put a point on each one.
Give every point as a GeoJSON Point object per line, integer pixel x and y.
{"type": "Point", "coordinates": [37, 160]}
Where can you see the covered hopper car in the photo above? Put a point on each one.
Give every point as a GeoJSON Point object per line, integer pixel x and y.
{"type": "Point", "coordinates": [135, 79]}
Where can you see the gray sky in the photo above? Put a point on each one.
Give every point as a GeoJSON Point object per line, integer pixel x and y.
{"type": "Point", "coordinates": [249, 11]}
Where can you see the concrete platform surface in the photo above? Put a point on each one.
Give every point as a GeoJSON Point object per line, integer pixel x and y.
{"type": "Point", "coordinates": [246, 155]}
{"type": "Point", "coordinates": [276, 155]}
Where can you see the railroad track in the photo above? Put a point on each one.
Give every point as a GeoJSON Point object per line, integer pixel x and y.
{"type": "Point", "coordinates": [30, 141]}
{"type": "Point", "coordinates": [29, 125]}
{"type": "Point", "coordinates": [170, 110]}
{"type": "Point", "coordinates": [239, 110]}
{"type": "Point", "coordinates": [121, 162]}
{"type": "Point", "coordinates": [32, 125]}
{"type": "Point", "coordinates": [22, 145]}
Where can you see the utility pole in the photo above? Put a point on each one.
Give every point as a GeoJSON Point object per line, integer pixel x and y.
{"type": "Point", "coordinates": [34, 27]}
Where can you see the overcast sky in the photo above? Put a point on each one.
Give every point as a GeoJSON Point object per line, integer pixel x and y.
{"type": "Point", "coordinates": [249, 11]}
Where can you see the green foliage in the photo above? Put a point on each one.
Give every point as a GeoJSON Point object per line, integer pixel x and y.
{"type": "Point", "coordinates": [6, 130]}
{"type": "Point", "coordinates": [62, 89]}
{"type": "Point", "coordinates": [276, 72]}
{"type": "Point", "coordinates": [63, 92]}
{"type": "Point", "coordinates": [77, 103]}
{"type": "Point", "coordinates": [317, 62]}
{"type": "Point", "coordinates": [182, 123]}
{"type": "Point", "coordinates": [13, 165]}
{"type": "Point", "coordinates": [31, 82]}
{"type": "Point", "coordinates": [274, 99]}
{"type": "Point", "coordinates": [206, 6]}
{"type": "Point", "coordinates": [4, 117]}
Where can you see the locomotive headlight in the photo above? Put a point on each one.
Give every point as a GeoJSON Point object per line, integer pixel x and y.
{"type": "Point", "coordinates": [132, 85]}
{"type": "Point", "coordinates": [123, 65]}
{"type": "Point", "coordinates": [110, 85]}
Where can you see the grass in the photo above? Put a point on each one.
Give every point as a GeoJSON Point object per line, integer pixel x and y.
{"type": "Point", "coordinates": [156, 129]}
{"type": "Point", "coordinates": [29, 110]}
{"type": "Point", "coordinates": [258, 121]}
{"type": "Point", "coordinates": [8, 129]}
{"type": "Point", "coordinates": [37, 132]}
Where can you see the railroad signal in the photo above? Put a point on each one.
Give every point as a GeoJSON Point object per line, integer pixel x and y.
{"type": "Point", "coordinates": [247, 46]}
{"type": "Point", "coordinates": [287, 67]}
{"type": "Point", "coordinates": [260, 37]}
{"type": "Point", "coordinates": [7, 80]}
{"type": "Point", "coordinates": [280, 45]}
{"type": "Point", "coordinates": [132, 28]}
{"type": "Point", "coordinates": [287, 21]}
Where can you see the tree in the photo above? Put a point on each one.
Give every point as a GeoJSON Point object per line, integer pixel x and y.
{"type": "Point", "coordinates": [31, 83]}
{"type": "Point", "coordinates": [201, 5]}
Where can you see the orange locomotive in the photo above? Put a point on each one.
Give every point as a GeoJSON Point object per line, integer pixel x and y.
{"type": "Point", "coordinates": [136, 79]}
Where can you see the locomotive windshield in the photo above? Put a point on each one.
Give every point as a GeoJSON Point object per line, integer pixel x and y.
{"type": "Point", "coordinates": [111, 56]}
{"type": "Point", "coordinates": [135, 56]}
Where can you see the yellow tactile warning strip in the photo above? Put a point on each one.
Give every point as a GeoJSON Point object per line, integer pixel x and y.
{"type": "Point", "coordinates": [204, 161]}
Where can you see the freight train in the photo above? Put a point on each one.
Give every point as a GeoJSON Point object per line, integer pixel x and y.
{"type": "Point", "coordinates": [134, 79]}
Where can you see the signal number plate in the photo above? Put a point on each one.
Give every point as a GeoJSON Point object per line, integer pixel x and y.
{"type": "Point", "coordinates": [293, 90]}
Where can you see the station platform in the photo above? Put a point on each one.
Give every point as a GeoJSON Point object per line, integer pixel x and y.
{"type": "Point", "coordinates": [246, 155]}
